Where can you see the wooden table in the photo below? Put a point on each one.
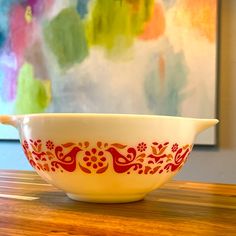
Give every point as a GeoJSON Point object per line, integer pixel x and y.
{"type": "Point", "coordinates": [29, 206]}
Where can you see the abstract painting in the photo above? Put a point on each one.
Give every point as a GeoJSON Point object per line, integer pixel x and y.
{"type": "Point", "coordinates": [109, 56]}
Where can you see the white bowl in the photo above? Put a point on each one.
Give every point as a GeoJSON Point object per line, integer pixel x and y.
{"type": "Point", "coordinates": [106, 157]}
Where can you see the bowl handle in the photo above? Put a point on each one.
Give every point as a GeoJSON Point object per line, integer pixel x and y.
{"type": "Point", "coordinates": [8, 120]}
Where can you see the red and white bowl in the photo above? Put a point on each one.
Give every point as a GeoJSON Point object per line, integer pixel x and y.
{"type": "Point", "coordinates": [106, 157]}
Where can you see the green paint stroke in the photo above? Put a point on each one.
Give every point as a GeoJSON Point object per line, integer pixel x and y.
{"type": "Point", "coordinates": [65, 36]}
{"type": "Point", "coordinates": [115, 23]}
{"type": "Point", "coordinates": [32, 95]}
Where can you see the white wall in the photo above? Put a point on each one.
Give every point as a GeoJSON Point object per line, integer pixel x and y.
{"type": "Point", "coordinates": [220, 165]}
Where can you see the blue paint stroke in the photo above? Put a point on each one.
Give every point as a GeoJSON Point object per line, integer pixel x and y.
{"type": "Point", "coordinates": [8, 70]}
{"type": "Point", "coordinates": [164, 96]}
{"type": "Point", "coordinates": [2, 38]}
{"type": "Point", "coordinates": [82, 8]}
{"type": "Point", "coordinates": [5, 8]}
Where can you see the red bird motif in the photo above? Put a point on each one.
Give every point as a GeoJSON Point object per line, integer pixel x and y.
{"type": "Point", "coordinates": [123, 163]}
{"type": "Point", "coordinates": [68, 161]}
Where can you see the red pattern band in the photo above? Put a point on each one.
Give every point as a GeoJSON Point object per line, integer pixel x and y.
{"type": "Point", "coordinates": [141, 159]}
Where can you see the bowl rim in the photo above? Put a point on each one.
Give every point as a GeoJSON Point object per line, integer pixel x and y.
{"type": "Point", "coordinates": [110, 115]}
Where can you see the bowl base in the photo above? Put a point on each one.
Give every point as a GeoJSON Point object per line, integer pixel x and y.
{"type": "Point", "coordinates": [106, 198]}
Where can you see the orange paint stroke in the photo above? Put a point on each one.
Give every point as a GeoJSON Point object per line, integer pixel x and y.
{"type": "Point", "coordinates": [161, 67]}
{"type": "Point", "coordinates": [155, 27]}
{"type": "Point", "coordinates": [200, 14]}
{"type": "Point", "coordinates": [135, 4]}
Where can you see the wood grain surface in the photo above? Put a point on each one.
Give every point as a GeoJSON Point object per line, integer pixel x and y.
{"type": "Point", "coordinates": [29, 206]}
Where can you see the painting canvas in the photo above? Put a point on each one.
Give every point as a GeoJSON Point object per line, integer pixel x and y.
{"type": "Point", "coordinates": [109, 56]}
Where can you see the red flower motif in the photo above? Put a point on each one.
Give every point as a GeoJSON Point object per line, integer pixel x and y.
{"type": "Point", "coordinates": [174, 147]}
{"type": "Point", "coordinates": [50, 145]}
{"type": "Point", "coordinates": [142, 147]}
{"type": "Point", "coordinates": [94, 158]}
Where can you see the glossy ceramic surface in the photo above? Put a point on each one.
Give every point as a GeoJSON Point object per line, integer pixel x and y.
{"type": "Point", "coordinates": [106, 157]}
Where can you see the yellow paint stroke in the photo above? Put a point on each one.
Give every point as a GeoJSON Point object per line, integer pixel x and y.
{"type": "Point", "coordinates": [200, 14]}
{"type": "Point", "coordinates": [114, 25]}
{"type": "Point", "coordinates": [47, 86]}
{"type": "Point", "coordinates": [28, 14]}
